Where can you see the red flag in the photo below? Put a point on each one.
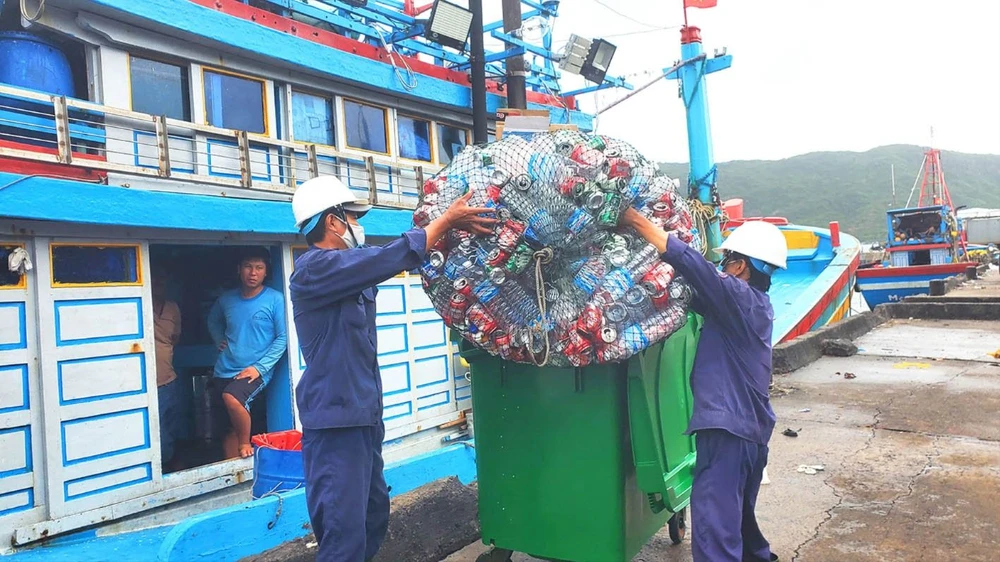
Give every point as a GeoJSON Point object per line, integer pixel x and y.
{"type": "Point", "coordinates": [700, 3]}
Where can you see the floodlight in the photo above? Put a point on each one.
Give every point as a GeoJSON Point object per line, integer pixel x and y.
{"type": "Point", "coordinates": [449, 25]}
{"type": "Point", "coordinates": [587, 58]}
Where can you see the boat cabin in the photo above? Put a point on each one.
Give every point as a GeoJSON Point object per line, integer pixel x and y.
{"type": "Point", "coordinates": [920, 236]}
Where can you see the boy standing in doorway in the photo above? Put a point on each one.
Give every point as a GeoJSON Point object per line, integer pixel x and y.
{"type": "Point", "coordinates": [248, 326]}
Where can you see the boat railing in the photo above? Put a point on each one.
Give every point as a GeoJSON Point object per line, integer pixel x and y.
{"type": "Point", "coordinates": [56, 129]}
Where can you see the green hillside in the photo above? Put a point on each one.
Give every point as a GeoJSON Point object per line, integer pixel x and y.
{"type": "Point", "coordinates": [851, 187]}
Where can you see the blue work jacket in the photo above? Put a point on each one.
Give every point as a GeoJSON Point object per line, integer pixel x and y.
{"type": "Point", "coordinates": [333, 302]}
{"type": "Point", "coordinates": [732, 368]}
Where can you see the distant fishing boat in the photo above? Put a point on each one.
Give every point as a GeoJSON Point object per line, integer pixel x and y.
{"type": "Point", "coordinates": [923, 244]}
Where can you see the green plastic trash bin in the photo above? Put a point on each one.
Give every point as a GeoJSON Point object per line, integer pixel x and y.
{"type": "Point", "coordinates": [583, 465]}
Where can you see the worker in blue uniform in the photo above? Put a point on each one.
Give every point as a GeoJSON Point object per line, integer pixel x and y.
{"type": "Point", "coordinates": [340, 394]}
{"type": "Point", "coordinates": [732, 419]}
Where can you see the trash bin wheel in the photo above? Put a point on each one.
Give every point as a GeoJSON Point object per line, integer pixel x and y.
{"type": "Point", "coordinates": [495, 554]}
{"type": "Point", "coordinates": [678, 526]}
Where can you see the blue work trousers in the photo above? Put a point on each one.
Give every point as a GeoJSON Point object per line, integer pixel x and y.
{"type": "Point", "coordinates": [727, 476]}
{"type": "Point", "coordinates": [345, 491]}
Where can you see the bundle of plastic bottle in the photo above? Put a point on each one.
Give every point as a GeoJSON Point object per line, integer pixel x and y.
{"type": "Point", "coordinates": [558, 282]}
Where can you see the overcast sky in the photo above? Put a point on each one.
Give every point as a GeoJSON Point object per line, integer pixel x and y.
{"type": "Point", "coordinates": [807, 75]}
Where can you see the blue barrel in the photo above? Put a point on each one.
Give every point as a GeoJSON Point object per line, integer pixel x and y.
{"type": "Point", "coordinates": [277, 465]}
{"type": "Point", "coordinates": [33, 63]}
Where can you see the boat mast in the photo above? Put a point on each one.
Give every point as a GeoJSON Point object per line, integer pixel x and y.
{"type": "Point", "coordinates": [703, 175]}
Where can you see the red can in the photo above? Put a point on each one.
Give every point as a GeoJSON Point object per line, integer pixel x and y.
{"type": "Point", "coordinates": [422, 215]}
{"type": "Point", "coordinates": [502, 341]}
{"type": "Point", "coordinates": [493, 192]}
{"type": "Point", "coordinates": [455, 313]}
{"type": "Point", "coordinates": [570, 186]}
{"type": "Point", "coordinates": [463, 287]}
{"type": "Point", "coordinates": [658, 278]}
{"type": "Point", "coordinates": [660, 300]}
{"type": "Point", "coordinates": [497, 257]}
{"type": "Point", "coordinates": [618, 168]}
{"type": "Point", "coordinates": [662, 210]}
{"type": "Point", "coordinates": [586, 156]}
{"type": "Point", "coordinates": [590, 320]}
{"type": "Point", "coordinates": [433, 185]}
{"type": "Point", "coordinates": [481, 318]}
{"type": "Point", "coordinates": [509, 235]}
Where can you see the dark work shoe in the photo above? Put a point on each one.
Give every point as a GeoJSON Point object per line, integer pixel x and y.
{"type": "Point", "coordinates": [774, 557]}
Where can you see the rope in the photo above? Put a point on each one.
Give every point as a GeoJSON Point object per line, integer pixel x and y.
{"type": "Point", "coordinates": [697, 83]}
{"type": "Point", "coordinates": [541, 258]}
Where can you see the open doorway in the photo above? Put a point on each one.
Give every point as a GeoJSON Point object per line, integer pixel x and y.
{"type": "Point", "coordinates": [193, 277]}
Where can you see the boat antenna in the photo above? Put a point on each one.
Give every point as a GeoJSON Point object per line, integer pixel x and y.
{"type": "Point", "coordinates": [892, 172]}
{"type": "Point", "coordinates": [916, 180]}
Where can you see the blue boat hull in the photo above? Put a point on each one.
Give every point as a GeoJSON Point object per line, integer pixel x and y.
{"type": "Point", "coordinates": [883, 285]}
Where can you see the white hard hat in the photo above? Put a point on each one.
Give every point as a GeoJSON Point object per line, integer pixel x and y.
{"type": "Point", "coordinates": [758, 240]}
{"type": "Point", "coordinates": [319, 194]}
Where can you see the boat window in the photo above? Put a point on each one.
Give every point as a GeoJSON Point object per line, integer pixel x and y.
{"type": "Point", "coordinates": [235, 102]}
{"type": "Point", "coordinates": [94, 265]}
{"type": "Point", "coordinates": [9, 279]}
{"type": "Point", "coordinates": [451, 140]}
{"type": "Point", "coordinates": [366, 127]}
{"type": "Point", "coordinates": [414, 138]}
{"type": "Point", "coordinates": [159, 88]}
{"type": "Point", "coordinates": [312, 118]}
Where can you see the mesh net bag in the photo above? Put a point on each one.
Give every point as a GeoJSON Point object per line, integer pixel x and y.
{"type": "Point", "coordinates": [558, 282]}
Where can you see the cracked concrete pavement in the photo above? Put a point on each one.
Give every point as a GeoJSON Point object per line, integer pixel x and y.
{"type": "Point", "coordinates": [911, 450]}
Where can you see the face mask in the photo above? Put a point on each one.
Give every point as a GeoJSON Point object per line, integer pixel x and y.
{"type": "Point", "coordinates": [352, 240]}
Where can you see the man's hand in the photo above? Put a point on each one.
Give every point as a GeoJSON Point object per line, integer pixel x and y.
{"type": "Point", "coordinates": [645, 227]}
{"type": "Point", "coordinates": [223, 345]}
{"type": "Point", "coordinates": [250, 374]}
{"type": "Point", "coordinates": [461, 216]}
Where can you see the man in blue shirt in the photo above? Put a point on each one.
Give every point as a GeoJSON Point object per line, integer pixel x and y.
{"type": "Point", "coordinates": [340, 393]}
{"type": "Point", "coordinates": [248, 326]}
{"type": "Point", "coordinates": [732, 417]}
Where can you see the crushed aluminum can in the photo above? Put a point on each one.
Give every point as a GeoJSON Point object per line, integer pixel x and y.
{"type": "Point", "coordinates": [458, 304]}
{"type": "Point", "coordinates": [523, 182]}
{"type": "Point", "coordinates": [520, 260]}
{"type": "Point", "coordinates": [496, 257]}
{"type": "Point", "coordinates": [433, 185]}
{"type": "Point", "coordinates": [660, 300]}
{"type": "Point", "coordinates": [500, 178]}
{"type": "Point", "coordinates": [637, 299]}
{"type": "Point", "coordinates": [570, 186]}
{"type": "Point", "coordinates": [590, 320]}
{"type": "Point", "coordinates": [565, 148]}
{"type": "Point", "coordinates": [618, 168]}
{"type": "Point", "coordinates": [658, 279]}
{"type": "Point", "coordinates": [662, 210]}
{"type": "Point", "coordinates": [551, 293]}
{"type": "Point", "coordinates": [462, 287]}
{"type": "Point", "coordinates": [509, 234]}
{"type": "Point", "coordinates": [616, 313]}
{"type": "Point", "coordinates": [589, 157]}
{"type": "Point", "coordinates": [503, 341]}
{"type": "Point", "coordinates": [597, 143]}
{"type": "Point", "coordinates": [497, 275]}
{"type": "Point", "coordinates": [609, 334]}
{"type": "Point", "coordinates": [482, 319]}
{"type": "Point", "coordinates": [594, 200]}
{"type": "Point", "coordinates": [609, 210]}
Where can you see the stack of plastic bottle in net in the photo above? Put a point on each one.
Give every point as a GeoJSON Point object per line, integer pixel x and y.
{"type": "Point", "coordinates": [559, 282]}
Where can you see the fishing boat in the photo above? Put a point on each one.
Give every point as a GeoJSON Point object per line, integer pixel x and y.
{"type": "Point", "coordinates": [923, 244]}
{"type": "Point", "coordinates": [817, 287]}
{"type": "Point", "coordinates": [169, 135]}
